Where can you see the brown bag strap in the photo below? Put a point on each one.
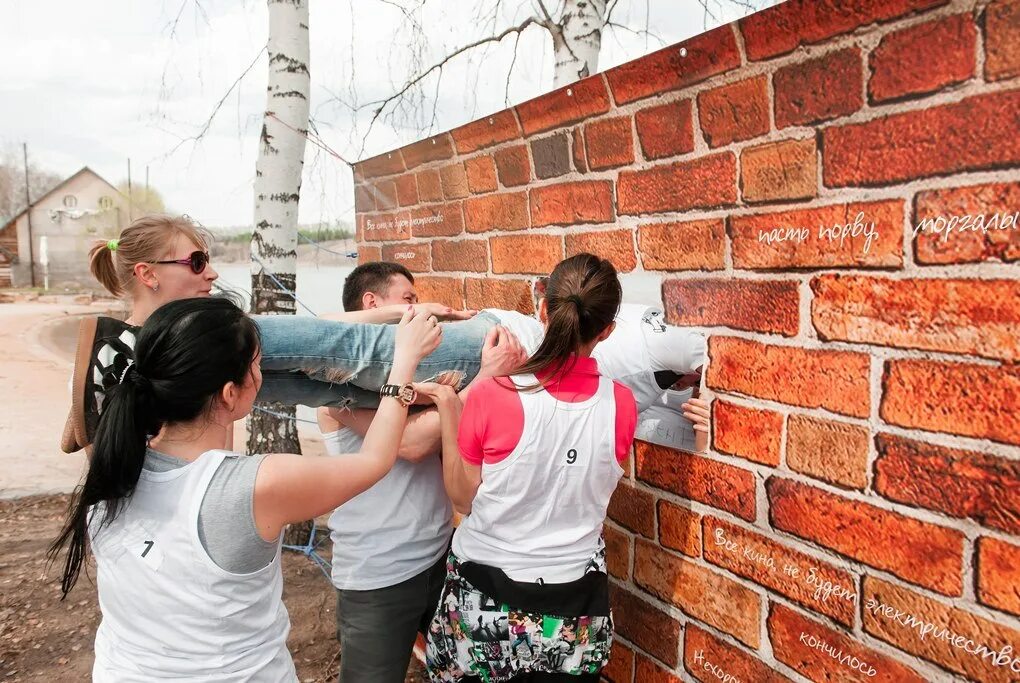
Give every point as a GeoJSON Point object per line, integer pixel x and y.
{"type": "Point", "coordinates": [79, 385]}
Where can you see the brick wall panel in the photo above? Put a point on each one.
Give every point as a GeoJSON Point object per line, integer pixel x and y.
{"type": "Point", "coordinates": [819, 89]}
{"type": "Point", "coordinates": [503, 211]}
{"type": "Point", "coordinates": [486, 132]}
{"type": "Point", "coordinates": [923, 58]}
{"type": "Point", "coordinates": [586, 201]}
{"type": "Point", "coordinates": [953, 481]}
{"type": "Point", "coordinates": [691, 245]}
{"type": "Point", "coordinates": [975, 134]}
{"type": "Point", "coordinates": [448, 291]}
{"type": "Point", "coordinates": [834, 380]}
{"type": "Point", "coordinates": [704, 183]}
{"type": "Point", "coordinates": [407, 190]}
{"type": "Point", "coordinates": [381, 165]}
{"type": "Point", "coordinates": [706, 481]}
{"type": "Point", "coordinates": [832, 451]}
{"type": "Point", "coordinates": [787, 169]}
{"type": "Point", "coordinates": [385, 192]}
{"type": "Point", "coordinates": [734, 112]}
{"type": "Point", "coordinates": [633, 509]}
{"type": "Point", "coordinates": [513, 165]}
{"type": "Point", "coordinates": [998, 574]}
{"type": "Point", "coordinates": [620, 668]}
{"type": "Point", "coordinates": [551, 155]}
{"type": "Point", "coordinates": [569, 104]}
{"type": "Point", "coordinates": [1002, 40]}
{"type": "Point", "coordinates": [666, 130]}
{"type": "Point", "coordinates": [382, 227]}
{"type": "Point", "coordinates": [618, 552]}
{"type": "Point", "coordinates": [710, 660]}
{"type": "Point", "coordinates": [645, 625]}
{"type": "Point", "coordinates": [481, 174]}
{"type": "Point", "coordinates": [438, 220]}
{"type": "Point", "coordinates": [703, 594]}
{"type": "Point", "coordinates": [919, 552]}
{"type": "Point", "coordinates": [817, 585]}
{"type": "Point", "coordinates": [364, 199]}
{"type": "Point", "coordinates": [415, 257]}
{"type": "Point", "coordinates": [648, 671]}
{"type": "Point", "coordinates": [609, 143]}
{"type": "Point", "coordinates": [454, 181]}
{"type": "Point", "coordinates": [430, 187]}
{"type": "Point", "coordinates": [938, 650]}
{"type": "Point", "coordinates": [959, 398]}
{"type": "Point", "coordinates": [771, 307]}
{"type": "Point", "coordinates": [577, 150]}
{"type": "Point", "coordinates": [510, 295]}
{"type": "Point", "coordinates": [461, 255]}
{"type": "Point", "coordinates": [430, 149]}
{"type": "Point", "coordinates": [369, 254]}
{"type": "Point", "coordinates": [939, 215]}
{"type": "Point", "coordinates": [679, 528]}
{"type": "Point", "coordinates": [532, 254]}
{"type": "Point", "coordinates": [615, 245]}
{"type": "Point", "coordinates": [750, 433]}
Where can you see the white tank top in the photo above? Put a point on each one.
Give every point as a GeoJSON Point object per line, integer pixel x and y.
{"type": "Point", "coordinates": [168, 611]}
{"type": "Point", "coordinates": [538, 513]}
{"type": "Point", "coordinates": [395, 530]}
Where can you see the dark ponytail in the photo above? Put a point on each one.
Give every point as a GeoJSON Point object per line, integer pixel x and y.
{"type": "Point", "coordinates": [582, 299]}
{"type": "Point", "coordinates": [185, 353]}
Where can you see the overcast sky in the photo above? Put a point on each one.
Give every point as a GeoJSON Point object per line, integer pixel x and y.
{"type": "Point", "coordinates": [96, 83]}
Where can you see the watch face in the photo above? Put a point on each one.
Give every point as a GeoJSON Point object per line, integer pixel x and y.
{"type": "Point", "coordinates": [407, 394]}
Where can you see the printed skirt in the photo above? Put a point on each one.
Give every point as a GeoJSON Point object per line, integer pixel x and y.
{"type": "Point", "coordinates": [494, 628]}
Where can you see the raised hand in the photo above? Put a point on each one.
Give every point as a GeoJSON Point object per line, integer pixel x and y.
{"type": "Point", "coordinates": [444, 312]}
{"type": "Point", "coordinates": [418, 335]}
{"type": "Point", "coordinates": [698, 412]}
{"type": "Point", "coordinates": [502, 353]}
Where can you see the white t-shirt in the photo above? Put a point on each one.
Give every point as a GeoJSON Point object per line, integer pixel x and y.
{"type": "Point", "coordinates": [395, 530]}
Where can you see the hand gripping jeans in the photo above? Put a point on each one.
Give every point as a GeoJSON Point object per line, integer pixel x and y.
{"type": "Point", "coordinates": [316, 362]}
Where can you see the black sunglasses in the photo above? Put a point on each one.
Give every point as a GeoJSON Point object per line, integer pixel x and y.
{"type": "Point", "coordinates": [198, 260]}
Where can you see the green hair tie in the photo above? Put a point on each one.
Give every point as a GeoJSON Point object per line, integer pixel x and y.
{"type": "Point", "coordinates": [112, 245]}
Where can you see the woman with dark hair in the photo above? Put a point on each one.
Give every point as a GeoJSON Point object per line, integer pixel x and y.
{"type": "Point", "coordinates": [533, 460]}
{"type": "Point", "coordinates": [186, 536]}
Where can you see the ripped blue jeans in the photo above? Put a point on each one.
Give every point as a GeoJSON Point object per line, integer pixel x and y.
{"type": "Point", "coordinates": [315, 362]}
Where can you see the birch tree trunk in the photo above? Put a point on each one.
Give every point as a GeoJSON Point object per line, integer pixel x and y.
{"type": "Point", "coordinates": [277, 190]}
{"type": "Point", "coordinates": [577, 40]}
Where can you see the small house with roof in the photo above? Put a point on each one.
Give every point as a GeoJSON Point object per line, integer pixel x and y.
{"type": "Point", "coordinates": [52, 237]}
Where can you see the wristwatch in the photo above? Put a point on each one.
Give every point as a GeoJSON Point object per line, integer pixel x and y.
{"type": "Point", "coordinates": [404, 393]}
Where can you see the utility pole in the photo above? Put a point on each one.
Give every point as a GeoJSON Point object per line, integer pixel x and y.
{"type": "Point", "coordinates": [28, 215]}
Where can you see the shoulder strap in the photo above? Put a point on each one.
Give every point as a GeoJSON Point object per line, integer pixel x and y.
{"type": "Point", "coordinates": [74, 437]}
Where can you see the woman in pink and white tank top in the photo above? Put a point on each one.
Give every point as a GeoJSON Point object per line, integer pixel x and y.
{"type": "Point", "coordinates": [533, 460]}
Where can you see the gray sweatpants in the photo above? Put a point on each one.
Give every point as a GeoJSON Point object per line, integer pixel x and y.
{"type": "Point", "coordinates": [377, 628]}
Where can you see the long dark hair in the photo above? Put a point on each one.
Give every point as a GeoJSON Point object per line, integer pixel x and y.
{"type": "Point", "coordinates": [582, 298]}
{"type": "Point", "coordinates": [186, 351]}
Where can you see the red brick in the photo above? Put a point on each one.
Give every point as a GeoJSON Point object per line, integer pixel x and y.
{"type": "Point", "coordinates": [615, 245]}
{"type": "Point", "coordinates": [704, 56]}
{"type": "Point", "coordinates": [959, 398]}
{"type": "Point", "coordinates": [586, 201]}
{"type": "Point", "coordinates": [504, 211]}
{"type": "Point", "coordinates": [706, 481]}
{"type": "Point", "coordinates": [800, 577]}
{"type": "Point", "coordinates": [633, 509]}
{"type": "Point", "coordinates": [551, 155]}
{"type": "Point", "coordinates": [976, 317]}
{"type": "Point", "coordinates": [782, 28]}
{"type": "Point", "coordinates": [953, 481]}
{"type": "Point", "coordinates": [461, 255]}
{"type": "Point", "coordinates": [666, 130]}
{"type": "Point", "coordinates": [711, 660]}
{"type": "Point", "coordinates": [532, 254]}
{"type": "Point", "coordinates": [733, 112]}
{"type": "Point", "coordinates": [750, 433]}
{"type": "Point", "coordinates": [383, 164]}
{"type": "Point", "coordinates": [692, 245]}
{"type": "Point", "coordinates": [679, 528]}
{"type": "Point", "coordinates": [916, 551]}
{"type": "Point", "coordinates": [647, 671]}
{"type": "Point", "coordinates": [364, 198]}
{"type": "Point", "coordinates": [620, 668]}
{"type": "Point", "coordinates": [810, 248]}
{"type": "Point", "coordinates": [701, 593]}
{"type": "Point", "coordinates": [618, 551]}
{"type": "Point", "coordinates": [415, 257]}
{"type": "Point", "coordinates": [923, 58]}
{"type": "Point", "coordinates": [430, 149]}
{"type": "Point", "coordinates": [510, 295]}
{"type": "Point", "coordinates": [1002, 40]}
{"type": "Point", "coordinates": [834, 380]}
{"type": "Point", "coordinates": [704, 183]}
{"type": "Point", "coordinates": [609, 143]}
{"type": "Point", "coordinates": [570, 104]}
{"type": "Point", "coordinates": [438, 220]}
{"type": "Point", "coordinates": [381, 227]}
{"type": "Point", "coordinates": [430, 188]}
{"type": "Point", "coordinates": [819, 89]}
{"type": "Point", "coordinates": [481, 174]}
{"type": "Point", "coordinates": [577, 150]}
{"type": "Point", "coordinates": [369, 254]}
{"type": "Point", "coordinates": [486, 131]}
{"type": "Point", "coordinates": [385, 192]}
{"type": "Point", "coordinates": [835, 452]}
{"type": "Point", "coordinates": [975, 134]}
{"type": "Point", "coordinates": [941, 241]}
{"type": "Point", "coordinates": [815, 650]}
{"type": "Point", "coordinates": [454, 181]}
{"type": "Point", "coordinates": [880, 620]}
{"type": "Point", "coordinates": [769, 306]}
{"type": "Point", "coordinates": [513, 165]}
{"type": "Point", "coordinates": [779, 170]}
{"type": "Point", "coordinates": [448, 291]}
{"type": "Point", "coordinates": [645, 625]}
{"type": "Point", "coordinates": [998, 574]}
{"type": "Point", "coordinates": [407, 190]}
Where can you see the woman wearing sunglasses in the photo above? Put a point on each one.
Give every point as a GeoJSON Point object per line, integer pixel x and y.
{"type": "Point", "coordinates": [311, 361]}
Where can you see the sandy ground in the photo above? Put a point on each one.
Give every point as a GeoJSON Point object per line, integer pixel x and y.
{"type": "Point", "coordinates": [42, 638]}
